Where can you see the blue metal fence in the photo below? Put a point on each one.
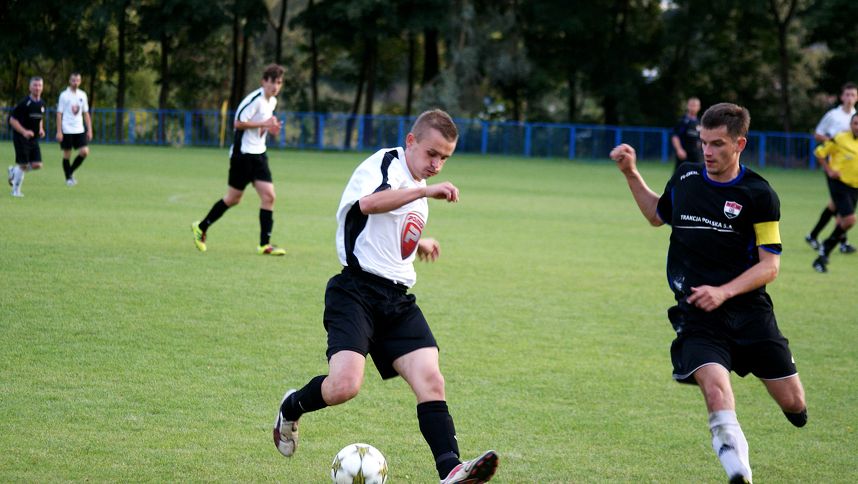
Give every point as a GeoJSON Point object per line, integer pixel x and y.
{"type": "Point", "coordinates": [338, 131]}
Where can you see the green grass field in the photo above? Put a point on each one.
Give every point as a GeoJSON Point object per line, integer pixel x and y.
{"type": "Point", "coordinates": [126, 355]}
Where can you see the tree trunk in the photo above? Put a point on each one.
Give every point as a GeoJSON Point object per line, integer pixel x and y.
{"type": "Point", "coordinates": [242, 80]}
{"type": "Point", "coordinates": [278, 50]}
{"type": "Point", "coordinates": [356, 105]}
{"type": "Point", "coordinates": [94, 63]}
{"type": "Point", "coordinates": [409, 91]}
{"type": "Point", "coordinates": [314, 65]}
{"type": "Point", "coordinates": [782, 25]}
{"type": "Point", "coordinates": [120, 68]}
{"type": "Point", "coordinates": [234, 94]}
{"type": "Point", "coordinates": [372, 61]}
{"type": "Point", "coordinates": [430, 55]}
{"type": "Point", "coordinates": [163, 97]}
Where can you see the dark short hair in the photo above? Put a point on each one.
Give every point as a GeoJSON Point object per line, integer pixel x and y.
{"type": "Point", "coordinates": [273, 72]}
{"type": "Point", "coordinates": [435, 119]}
{"type": "Point", "coordinates": [35, 78]}
{"type": "Point", "coordinates": [735, 118]}
{"type": "Point", "coordinates": [848, 86]}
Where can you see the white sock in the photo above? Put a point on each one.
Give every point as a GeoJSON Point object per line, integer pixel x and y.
{"type": "Point", "coordinates": [17, 177]}
{"type": "Point", "coordinates": [729, 444]}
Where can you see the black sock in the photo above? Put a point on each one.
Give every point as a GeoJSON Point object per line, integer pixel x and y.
{"type": "Point", "coordinates": [77, 162]}
{"type": "Point", "coordinates": [307, 399]}
{"type": "Point", "coordinates": [217, 211]}
{"type": "Point", "coordinates": [824, 217]}
{"type": "Point", "coordinates": [67, 168]}
{"type": "Point", "coordinates": [266, 224]}
{"type": "Point", "coordinates": [437, 428]}
{"type": "Point", "coordinates": [797, 419]}
{"type": "Point", "coordinates": [832, 240]}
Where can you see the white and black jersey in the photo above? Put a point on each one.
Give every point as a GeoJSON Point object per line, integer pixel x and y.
{"type": "Point", "coordinates": [254, 107]}
{"type": "Point", "coordinates": [384, 244]}
{"type": "Point", "coordinates": [72, 105]}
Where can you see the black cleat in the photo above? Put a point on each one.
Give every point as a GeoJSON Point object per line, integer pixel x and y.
{"type": "Point", "coordinates": [819, 265]}
{"type": "Point", "coordinates": [812, 242]}
{"type": "Point", "coordinates": [847, 248]}
{"type": "Point", "coordinates": [739, 479]}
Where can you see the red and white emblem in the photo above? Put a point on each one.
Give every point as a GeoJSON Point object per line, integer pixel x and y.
{"type": "Point", "coordinates": [732, 209]}
{"type": "Point", "coordinates": [411, 233]}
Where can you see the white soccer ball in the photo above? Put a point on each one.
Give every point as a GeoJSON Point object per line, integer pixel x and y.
{"type": "Point", "coordinates": [359, 464]}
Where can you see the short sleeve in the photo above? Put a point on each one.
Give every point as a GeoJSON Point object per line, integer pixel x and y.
{"type": "Point", "coordinates": [825, 149]}
{"type": "Point", "coordinates": [679, 128]}
{"type": "Point", "coordinates": [766, 220]}
{"type": "Point", "coordinates": [19, 113]}
{"type": "Point", "coordinates": [61, 105]}
{"type": "Point", "coordinates": [249, 111]}
{"type": "Point", "coordinates": [664, 209]}
{"type": "Point", "coordinates": [85, 107]}
{"type": "Point", "coordinates": [824, 125]}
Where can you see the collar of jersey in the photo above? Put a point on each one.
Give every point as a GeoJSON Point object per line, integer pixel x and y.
{"type": "Point", "coordinates": [725, 184]}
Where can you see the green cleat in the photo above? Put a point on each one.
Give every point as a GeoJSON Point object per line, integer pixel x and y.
{"type": "Point", "coordinates": [269, 249]}
{"type": "Point", "coordinates": [199, 237]}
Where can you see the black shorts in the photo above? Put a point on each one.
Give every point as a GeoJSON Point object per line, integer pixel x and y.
{"type": "Point", "coordinates": [371, 315]}
{"type": "Point", "coordinates": [73, 141]}
{"type": "Point", "coordinates": [745, 340]}
{"type": "Point", "coordinates": [843, 196]}
{"type": "Point", "coordinates": [26, 150]}
{"type": "Point", "coordinates": [246, 168]}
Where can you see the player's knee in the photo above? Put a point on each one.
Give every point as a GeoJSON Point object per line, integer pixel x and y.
{"type": "Point", "coordinates": [716, 396]}
{"type": "Point", "coordinates": [232, 200]}
{"type": "Point", "coordinates": [848, 222]}
{"type": "Point", "coordinates": [793, 403]}
{"type": "Point", "coordinates": [342, 389]}
{"type": "Point", "coordinates": [35, 166]}
{"type": "Point", "coordinates": [84, 152]}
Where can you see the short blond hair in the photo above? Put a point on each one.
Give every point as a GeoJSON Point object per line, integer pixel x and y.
{"type": "Point", "coordinates": [438, 120]}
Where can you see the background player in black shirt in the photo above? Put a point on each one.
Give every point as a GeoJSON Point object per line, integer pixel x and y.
{"type": "Point", "coordinates": [27, 122]}
{"type": "Point", "coordinates": [686, 135]}
{"type": "Point", "coordinates": [724, 248]}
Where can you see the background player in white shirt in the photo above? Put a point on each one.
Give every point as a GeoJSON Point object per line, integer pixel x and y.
{"type": "Point", "coordinates": [72, 113]}
{"type": "Point", "coordinates": [835, 121]}
{"type": "Point", "coordinates": [248, 163]}
{"type": "Point", "coordinates": [367, 308]}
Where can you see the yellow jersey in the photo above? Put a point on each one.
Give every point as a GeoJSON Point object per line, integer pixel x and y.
{"type": "Point", "coordinates": [842, 154]}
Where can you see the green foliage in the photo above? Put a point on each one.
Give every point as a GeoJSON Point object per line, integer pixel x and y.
{"type": "Point", "coordinates": [129, 356]}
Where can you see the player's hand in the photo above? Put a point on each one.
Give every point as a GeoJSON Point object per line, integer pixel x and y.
{"type": "Point", "coordinates": [28, 134]}
{"type": "Point", "coordinates": [41, 133]}
{"type": "Point", "coordinates": [89, 135]}
{"type": "Point", "coordinates": [625, 157]}
{"type": "Point", "coordinates": [707, 298]}
{"type": "Point", "coordinates": [443, 191]}
{"type": "Point", "coordinates": [59, 137]}
{"type": "Point", "coordinates": [428, 249]}
{"type": "Point", "coordinates": [832, 173]}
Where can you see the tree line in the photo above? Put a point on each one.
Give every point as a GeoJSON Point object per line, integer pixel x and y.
{"type": "Point", "coordinates": [619, 62]}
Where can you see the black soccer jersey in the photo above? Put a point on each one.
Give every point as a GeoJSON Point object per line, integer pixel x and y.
{"type": "Point", "coordinates": [29, 113]}
{"type": "Point", "coordinates": [717, 227]}
{"type": "Point", "coordinates": [689, 137]}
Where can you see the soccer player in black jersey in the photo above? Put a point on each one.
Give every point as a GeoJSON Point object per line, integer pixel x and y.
{"type": "Point", "coordinates": [724, 248]}
{"type": "Point", "coordinates": [27, 122]}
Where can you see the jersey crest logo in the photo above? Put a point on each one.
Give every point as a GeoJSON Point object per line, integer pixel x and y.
{"type": "Point", "coordinates": [75, 109]}
{"type": "Point", "coordinates": [732, 209]}
{"type": "Point", "coordinates": [411, 233]}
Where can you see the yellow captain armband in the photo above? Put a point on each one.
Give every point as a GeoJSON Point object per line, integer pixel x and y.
{"type": "Point", "coordinates": [768, 233]}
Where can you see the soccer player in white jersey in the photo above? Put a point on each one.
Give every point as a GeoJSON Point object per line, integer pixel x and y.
{"type": "Point", "coordinates": [248, 163]}
{"type": "Point", "coordinates": [381, 218]}
{"type": "Point", "coordinates": [835, 121]}
{"type": "Point", "coordinates": [74, 126]}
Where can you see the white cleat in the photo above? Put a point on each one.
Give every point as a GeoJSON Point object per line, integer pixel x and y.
{"type": "Point", "coordinates": [474, 471]}
{"type": "Point", "coordinates": [285, 431]}
{"type": "Point", "coordinates": [70, 182]}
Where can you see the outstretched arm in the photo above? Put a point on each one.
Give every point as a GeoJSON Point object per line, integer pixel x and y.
{"type": "Point", "coordinates": [709, 298]}
{"type": "Point", "coordinates": [646, 199]}
{"type": "Point", "coordinates": [387, 200]}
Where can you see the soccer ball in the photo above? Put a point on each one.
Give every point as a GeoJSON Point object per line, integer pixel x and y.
{"type": "Point", "coordinates": [359, 464]}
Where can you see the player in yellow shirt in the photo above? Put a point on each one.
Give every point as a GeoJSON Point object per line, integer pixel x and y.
{"type": "Point", "coordinates": [839, 158]}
